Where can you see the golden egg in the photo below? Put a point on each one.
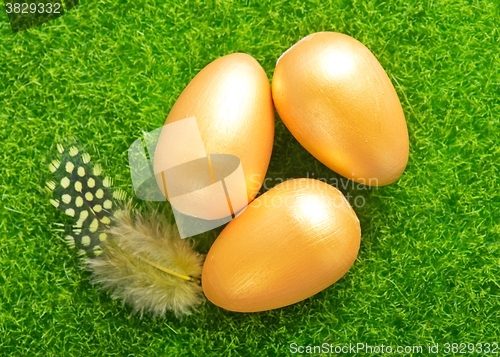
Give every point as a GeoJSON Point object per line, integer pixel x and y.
{"type": "Point", "coordinates": [290, 243]}
{"type": "Point", "coordinates": [232, 102]}
{"type": "Point", "coordinates": [338, 102]}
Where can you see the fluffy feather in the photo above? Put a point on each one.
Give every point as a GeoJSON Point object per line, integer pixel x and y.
{"type": "Point", "coordinates": [134, 259]}
{"type": "Point", "coordinates": [140, 259]}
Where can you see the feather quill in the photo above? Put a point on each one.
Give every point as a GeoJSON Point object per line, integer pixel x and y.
{"type": "Point", "coordinates": [140, 259]}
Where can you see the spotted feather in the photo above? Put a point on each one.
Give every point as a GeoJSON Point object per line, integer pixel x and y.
{"type": "Point", "coordinates": [140, 259]}
{"type": "Point", "coordinates": [83, 193]}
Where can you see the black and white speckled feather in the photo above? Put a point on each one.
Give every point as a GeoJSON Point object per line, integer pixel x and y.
{"type": "Point", "coordinates": [140, 259]}
{"type": "Point", "coordinates": [84, 194]}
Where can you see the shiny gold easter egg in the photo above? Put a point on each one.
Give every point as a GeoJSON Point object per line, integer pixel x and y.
{"type": "Point", "coordinates": [338, 102]}
{"type": "Point", "coordinates": [290, 243]}
{"type": "Point", "coordinates": [232, 103]}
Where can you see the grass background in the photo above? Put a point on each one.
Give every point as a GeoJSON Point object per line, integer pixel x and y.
{"type": "Point", "coordinates": [428, 267]}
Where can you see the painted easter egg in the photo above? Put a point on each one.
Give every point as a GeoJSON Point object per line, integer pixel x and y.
{"type": "Point", "coordinates": [290, 243]}
{"type": "Point", "coordinates": [338, 102]}
{"type": "Point", "coordinates": [232, 103]}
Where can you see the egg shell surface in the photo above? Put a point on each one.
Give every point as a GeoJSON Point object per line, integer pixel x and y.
{"type": "Point", "coordinates": [338, 102]}
{"type": "Point", "coordinates": [232, 103]}
{"type": "Point", "coordinates": [290, 243]}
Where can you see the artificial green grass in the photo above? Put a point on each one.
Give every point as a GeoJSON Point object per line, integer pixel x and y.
{"type": "Point", "coordinates": [428, 267]}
